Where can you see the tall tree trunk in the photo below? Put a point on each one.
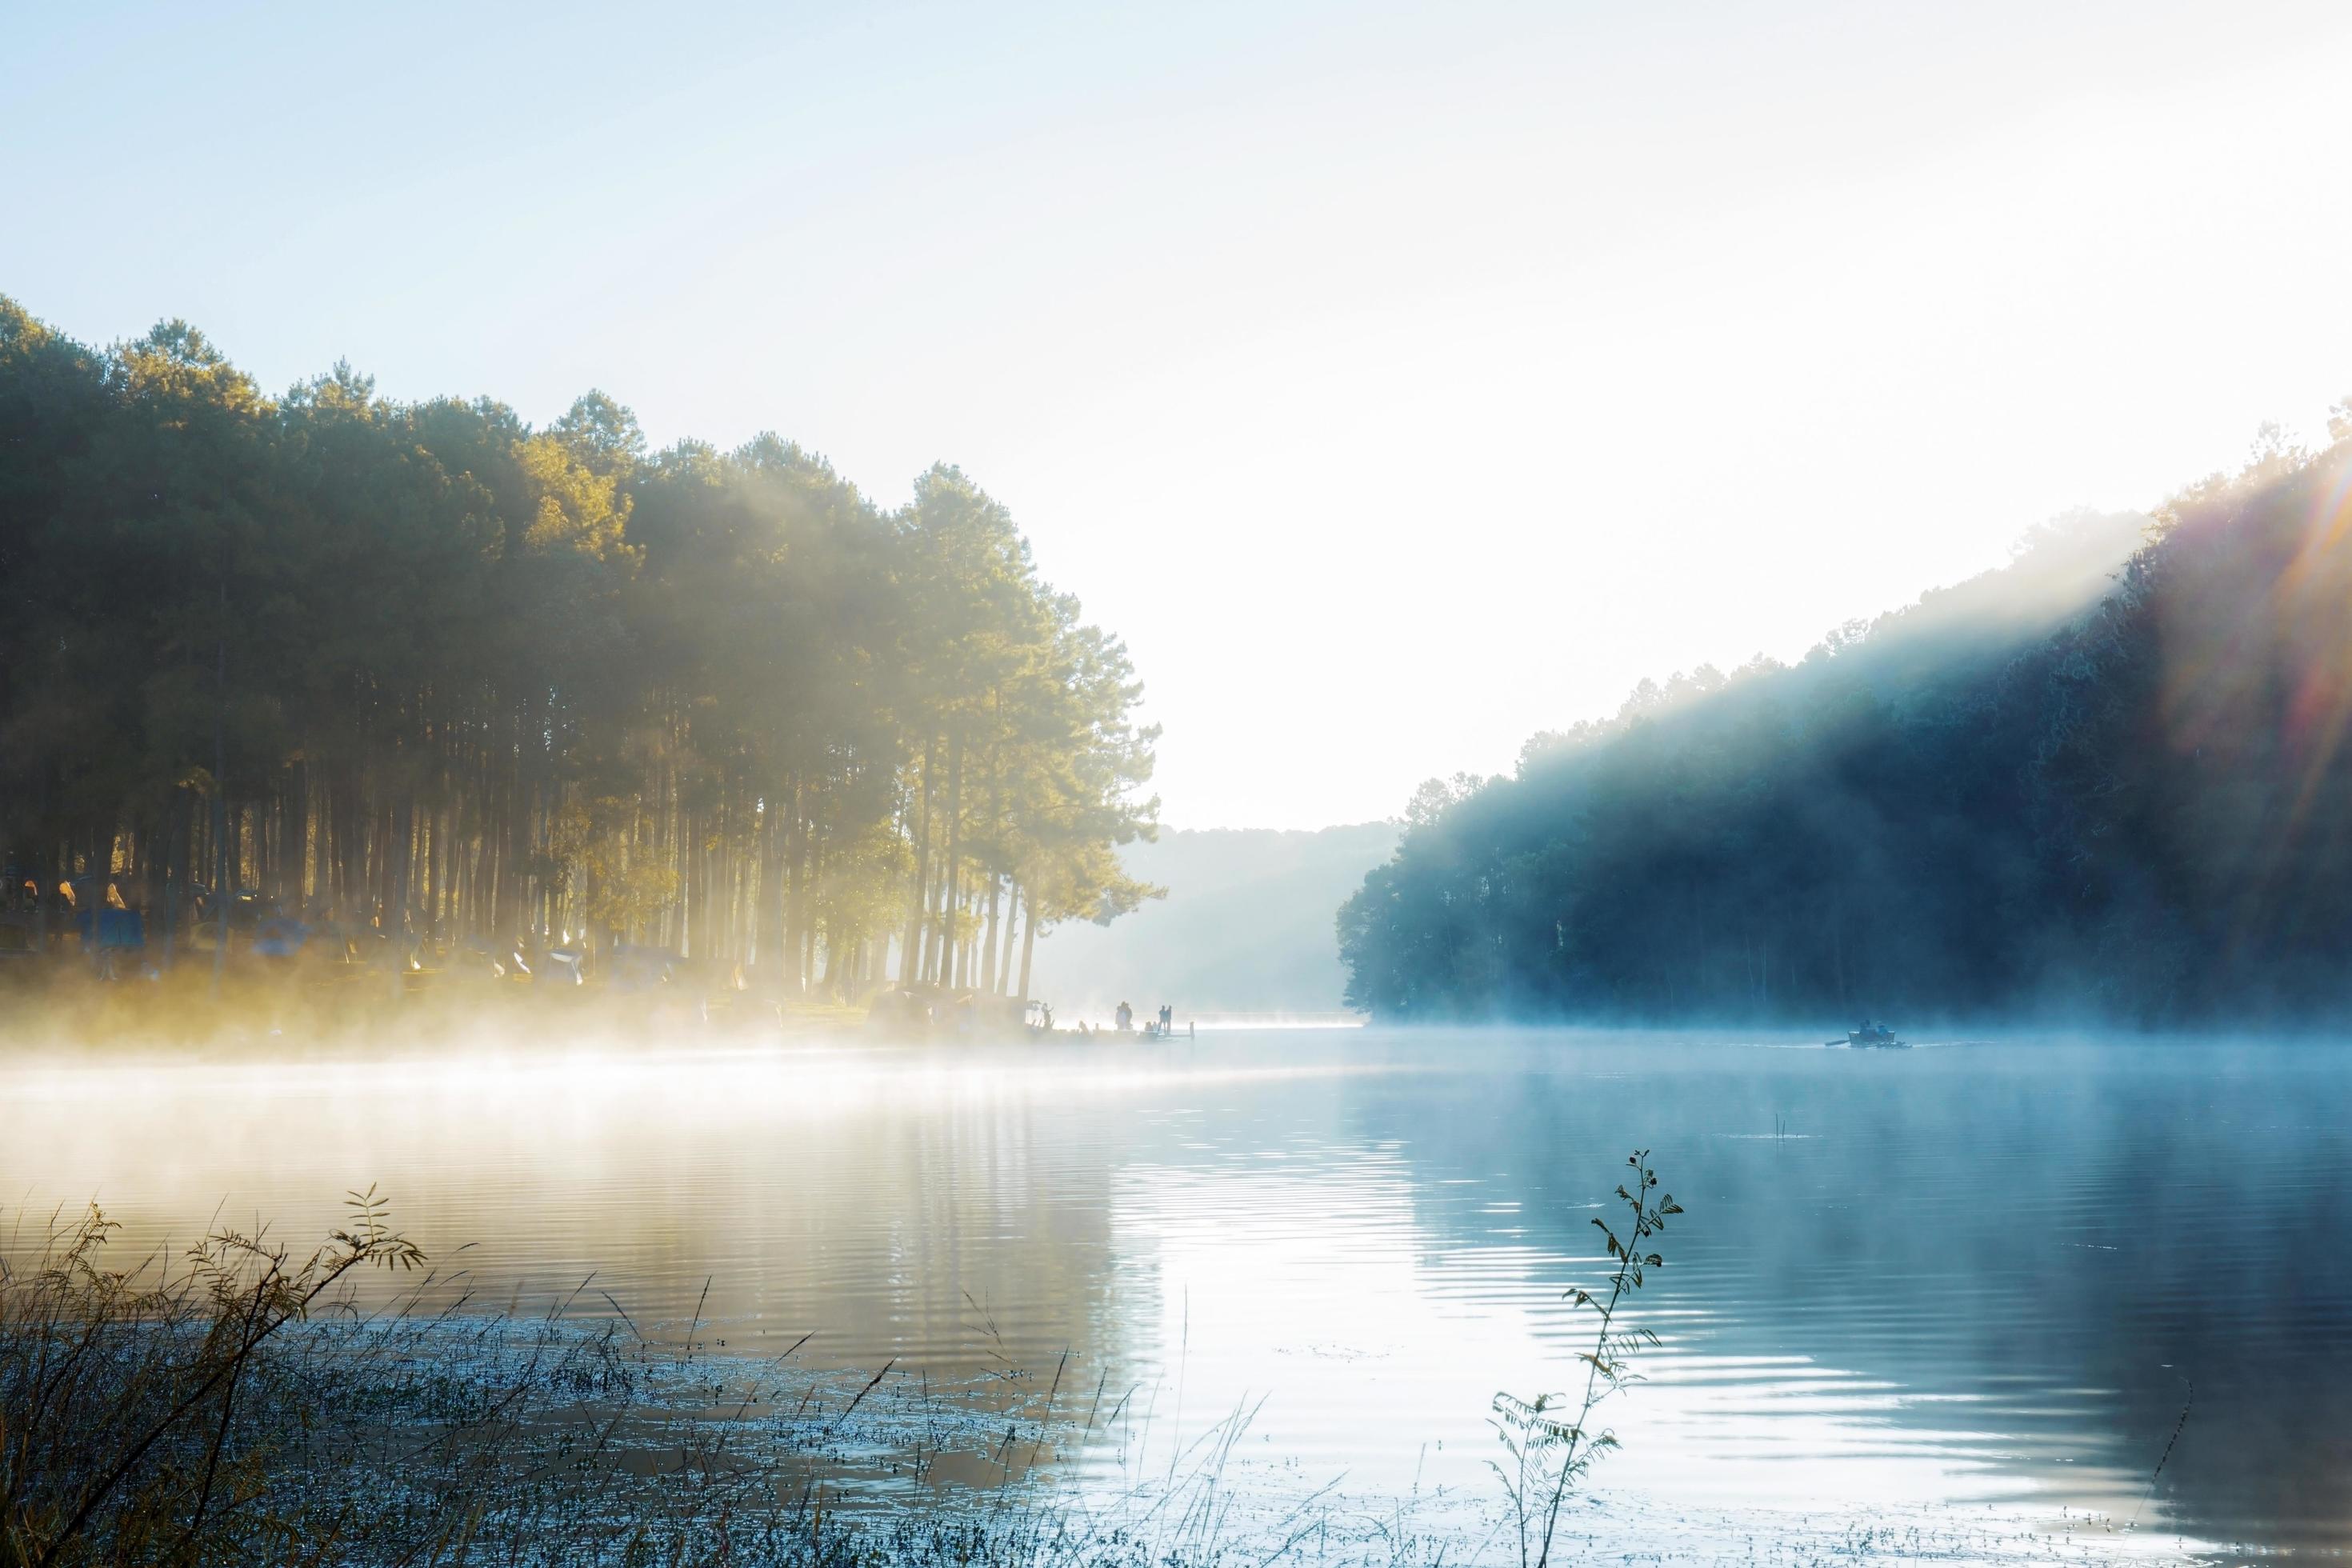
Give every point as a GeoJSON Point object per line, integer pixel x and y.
{"type": "Point", "coordinates": [1028, 949]}
{"type": "Point", "coordinates": [985, 978]}
{"type": "Point", "coordinates": [948, 909]}
{"type": "Point", "coordinates": [175, 875]}
{"type": "Point", "coordinates": [1003, 979]}
{"type": "Point", "coordinates": [220, 790]}
{"type": "Point", "coordinates": [910, 950]}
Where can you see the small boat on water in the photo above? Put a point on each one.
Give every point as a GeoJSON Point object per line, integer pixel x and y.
{"type": "Point", "coordinates": [1872, 1037]}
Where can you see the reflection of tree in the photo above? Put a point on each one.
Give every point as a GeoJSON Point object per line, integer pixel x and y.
{"type": "Point", "coordinates": [2014, 1227]}
{"type": "Point", "coordinates": [1941, 1227]}
{"type": "Point", "coordinates": [864, 1203]}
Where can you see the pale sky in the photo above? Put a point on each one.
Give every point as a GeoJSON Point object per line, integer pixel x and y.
{"type": "Point", "coordinates": [1397, 380]}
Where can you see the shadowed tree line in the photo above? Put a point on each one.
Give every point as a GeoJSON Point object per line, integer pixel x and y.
{"type": "Point", "coordinates": [421, 669]}
{"type": "Point", "coordinates": [2120, 792]}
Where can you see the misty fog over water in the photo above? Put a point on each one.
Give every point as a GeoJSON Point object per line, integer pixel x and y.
{"type": "Point", "coordinates": [1959, 1282]}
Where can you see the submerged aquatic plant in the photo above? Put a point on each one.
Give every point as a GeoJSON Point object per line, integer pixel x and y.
{"type": "Point", "coordinates": [1549, 1450]}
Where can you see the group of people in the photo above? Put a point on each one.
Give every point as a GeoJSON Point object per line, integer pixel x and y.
{"type": "Point", "coordinates": [1126, 1015]}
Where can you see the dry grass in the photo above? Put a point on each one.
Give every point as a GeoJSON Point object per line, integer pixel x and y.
{"type": "Point", "coordinates": [245, 1404]}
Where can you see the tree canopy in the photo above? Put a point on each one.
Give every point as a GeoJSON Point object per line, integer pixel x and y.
{"type": "Point", "coordinates": [2129, 799]}
{"type": "Point", "coordinates": [423, 668]}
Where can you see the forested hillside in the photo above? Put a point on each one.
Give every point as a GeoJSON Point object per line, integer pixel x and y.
{"type": "Point", "coordinates": [421, 667]}
{"type": "Point", "coordinates": [1994, 804]}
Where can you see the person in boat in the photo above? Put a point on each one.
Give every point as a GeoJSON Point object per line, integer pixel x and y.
{"type": "Point", "coordinates": [1125, 1016]}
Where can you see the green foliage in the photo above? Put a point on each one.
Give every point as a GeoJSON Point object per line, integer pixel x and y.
{"type": "Point", "coordinates": [1550, 1451]}
{"type": "Point", "coordinates": [421, 669]}
{"type": "Point", "coordinates": [2130, 798]}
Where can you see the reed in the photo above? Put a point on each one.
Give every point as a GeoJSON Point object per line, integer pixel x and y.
{"type": "Point", "coordinates": [243, 1404]}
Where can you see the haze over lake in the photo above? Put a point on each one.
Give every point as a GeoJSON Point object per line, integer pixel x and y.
{"type": "Point", "coordinates": [1966, 1289]}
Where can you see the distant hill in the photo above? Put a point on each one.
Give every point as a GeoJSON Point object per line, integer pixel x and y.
{"type": "Point", "coordinates": [2083, 785]}
{"type": "Point", "coordinates": [1246, 926]}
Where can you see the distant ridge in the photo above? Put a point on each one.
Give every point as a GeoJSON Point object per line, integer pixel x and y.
{"type": "Point", "coordinates": [1246, 928]}
{"type": "Point", "coordinates": [2103, 782]}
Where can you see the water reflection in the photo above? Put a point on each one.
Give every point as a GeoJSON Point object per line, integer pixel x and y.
{"type": "Point", "coordinates": [2001, 1268]}
{"type": "Point", "coordinates": [1911, 1285]}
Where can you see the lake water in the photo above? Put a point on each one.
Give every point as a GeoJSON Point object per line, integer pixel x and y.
{"type": "Point", "coordinates": [1964, 1291]}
